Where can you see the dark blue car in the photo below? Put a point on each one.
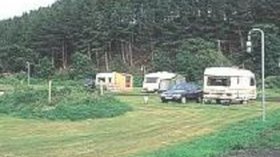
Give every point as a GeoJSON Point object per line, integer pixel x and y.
{"type": "Point", "coordinates": [182, 92]}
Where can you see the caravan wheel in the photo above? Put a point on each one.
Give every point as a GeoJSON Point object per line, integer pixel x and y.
{"type": "Point", "coordinates": [199, 100]}
{"type": "Point", "coordinates": [218, 101]}
{"type": "Point", "coordinates": [226, 102]}
{"type": "Point", "coordinates": [244, 102]}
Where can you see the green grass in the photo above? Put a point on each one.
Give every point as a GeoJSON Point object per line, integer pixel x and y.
{"type": "Point", "coordinates": [146, 129]}
{"type": "Point", "coordinates": [269, 139]}
{"type": "Point", "coordinates": [66, 105]}
{"type": "Point", "coordinates": [234, 137]}
{"type": "Point", "coordinates": [266, 142]}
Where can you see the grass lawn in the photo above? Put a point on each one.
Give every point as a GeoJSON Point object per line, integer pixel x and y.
{"type": "Point", "coordinates": [145, 129]}
{"type": "Point", "coordinates": [266, 144]}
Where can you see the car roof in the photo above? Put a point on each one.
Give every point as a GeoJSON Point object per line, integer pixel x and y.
{"type": "Point", "coordinates": [187, 84]}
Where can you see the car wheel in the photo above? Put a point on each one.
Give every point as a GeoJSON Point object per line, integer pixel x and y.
{"type": "Point", "coordinates": [183, 100]}
{"type": "Point", "coordinates": [164, 101]}
{"type": "Point", "coordinates": [226, 103]}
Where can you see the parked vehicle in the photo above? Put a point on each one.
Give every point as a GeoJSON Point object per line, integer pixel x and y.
{"type": "Point", "coordinates": [182, 92]}
{"type": "Point", "coordinates": [229, 84]}
{"type": "Point", "coordinates": [89, 83]}
{"type": "Point", "coordinates": [115, 81]}
{"type": "Point", "coordinates": [161, 81]}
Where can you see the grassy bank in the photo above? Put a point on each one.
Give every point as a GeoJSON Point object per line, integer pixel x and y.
{"type": "Point", "coordinates": [235, 137]}
{"type": "Point", "coordinates": [67, 104]}
{"type": "Point", "coordinates": [266, 144]}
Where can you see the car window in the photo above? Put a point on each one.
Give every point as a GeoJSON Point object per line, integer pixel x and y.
{"type": "Point", "coordinates": [185, 87]}
{"type": "Point", "coordinates": [178, 87]}
{"type": "Point", "coordinates": [192, 87]}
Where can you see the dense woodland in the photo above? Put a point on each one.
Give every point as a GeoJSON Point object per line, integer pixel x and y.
{"type": "Point", "coordinates": [87, 36]}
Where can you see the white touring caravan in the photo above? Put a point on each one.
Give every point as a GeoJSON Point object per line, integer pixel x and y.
{"type": "Point", "coordinates": [229, 85]}
{"type": "Point", "coordinates": [161, 81]}
{"type": "Point", "coordinates": [115, 81]}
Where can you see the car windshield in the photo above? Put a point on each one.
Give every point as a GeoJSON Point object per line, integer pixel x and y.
{"type": "Point", "coordinates": [151, 79]}
{"type": "Point", "coordinates": [184, 87]}
{"type": "Point", "coordinates": [218, 81]}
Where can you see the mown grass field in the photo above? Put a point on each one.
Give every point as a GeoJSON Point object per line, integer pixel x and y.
{"type": "Point", "coordinates": [145, 129]}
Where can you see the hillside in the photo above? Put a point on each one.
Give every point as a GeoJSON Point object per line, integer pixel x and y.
{"type": "Point", "coordinates": [123, 35]}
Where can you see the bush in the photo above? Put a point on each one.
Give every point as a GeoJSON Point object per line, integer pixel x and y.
{"type": "Point", "coordinates": [14, 57]}
{"type": "Point", "coordinates": [44, 69]}
{"type": "Point", "coordinates": [81, 66]}
{"type": "Point", "coordinates": [11, 80]}
{"type": "Point", "coordinates": [67, 105]}
{"type": "Point", "coordinates": [273, 82]}
{"type": "Point", "coordinates": [138, 81]}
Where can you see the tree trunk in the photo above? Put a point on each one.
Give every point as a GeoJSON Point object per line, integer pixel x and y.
{"type": "Point", "coordinates": [126, 49]}
{"type": "Point", "coordinates": [152, 50]}
{"type": "Point", "coordinates": [123, 52]}
{"type": "Point", "coordinates": [242, 42]}
{"type": "Point", "coordinates": [89, 51]}
{"type": "Point", "coordinates": [219, 46]}
{"type": "Point", "coordinates": [63, 56]}
{"type": "Point", "coordinates": [106, 61]}
{"type": "Point", "coordinates": [110, 51]}
{"type": "Point", "coordinates": [66, 56]}
{"type": "Point", "coordinates": [97, 58]}
{"type": "Point", "coordinates": [53, 58]}
{"type": "Point", "coordinates": [230, 48]}
{"type": "Point", "coordinates": [130, 54]}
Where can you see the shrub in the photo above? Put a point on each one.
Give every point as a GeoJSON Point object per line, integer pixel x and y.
{"type": "Point", "coordinates": [14, 57]}
{"type": "Point", "coordinates": [44, 69]}
{"type": "Point", "coordinates": [67, 105]}
{"type": "Point", "coordinates": [138, 81]}
{"type": "Point", "coordinates": [273, 82]}
{"type": "Point", "coordinates": [81, 66]}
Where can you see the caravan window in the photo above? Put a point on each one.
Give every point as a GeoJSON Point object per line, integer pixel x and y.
{"type": "Point", "coordinates": [252, 82]}
{"type": "Point", "coordinates": [128, 81]}
{"type": "Point", "coordinates": [151, 80]}
{"type": "Point", "coordinates": [218, 81]}
{"type": "Point", "coordinates": [101, 79]}
{"type": "Point", "coordinates": [110, 79]}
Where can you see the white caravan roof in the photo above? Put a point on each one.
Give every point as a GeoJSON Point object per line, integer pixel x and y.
{"type": "Point", "coordinates": [104, 75]}
{"type": "Point", "coordinates": [226, 71]}
{"type": "Point", "coordinates": [162, 75]}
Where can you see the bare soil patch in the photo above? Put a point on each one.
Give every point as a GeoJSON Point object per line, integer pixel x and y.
{"type": "Point", "coordinates": [256, 153]}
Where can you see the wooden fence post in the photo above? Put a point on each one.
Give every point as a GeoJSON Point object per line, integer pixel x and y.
{"type": "Point", "coordinates": [50, 91]}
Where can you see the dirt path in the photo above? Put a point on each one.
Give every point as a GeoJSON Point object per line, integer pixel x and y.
{"type": "Point", "coordinates": [256, 153]}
